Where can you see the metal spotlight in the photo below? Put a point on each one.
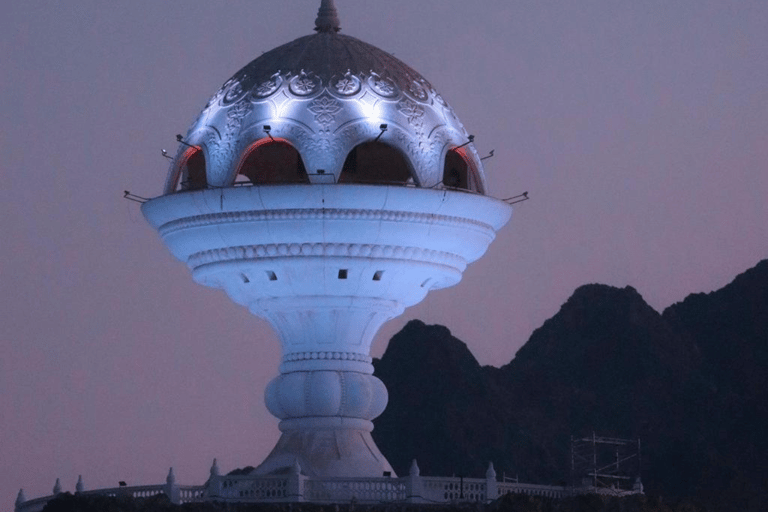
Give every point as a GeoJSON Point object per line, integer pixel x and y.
{"type": "Point", "coordinates": [180, 138]}
{"type": "Point", "coordinates": [383, 128]}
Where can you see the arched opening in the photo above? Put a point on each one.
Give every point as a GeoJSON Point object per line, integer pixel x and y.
{"type": "Point", "coordinates": [192, 171]}
{"type": "Point", "coordinates": [272, 161]}
{"type": "Point", "coordinates": [457, 172]}
{"type": "Point", "coordinates": [375, 162]}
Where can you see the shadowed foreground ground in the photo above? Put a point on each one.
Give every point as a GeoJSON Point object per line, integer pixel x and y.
{"type": "Point", "coordinates": [512, 503]}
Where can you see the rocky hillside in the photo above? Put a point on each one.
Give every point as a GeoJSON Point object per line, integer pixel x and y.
{"type": "Point", "coordinates": [691, 383]}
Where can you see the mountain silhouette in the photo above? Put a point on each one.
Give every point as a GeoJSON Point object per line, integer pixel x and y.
{"type": "Point", "coordinates": [690, 383]}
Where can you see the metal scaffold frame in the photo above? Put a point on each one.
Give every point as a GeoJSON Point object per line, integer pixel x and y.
{"type": "Point", "coordinates": [605, 462]}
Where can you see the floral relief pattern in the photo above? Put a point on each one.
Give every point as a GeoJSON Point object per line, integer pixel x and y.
{"type": "Point", "coordinates": [348, 84]}
{"type": "Point", "coordinates": [325, 110]}
{"type": "Point", "coordinates": [422, 152]}
{"type": "Point", "coordinates": [224, 149]}
{"type": "Point", "coordinates": [312, 146]}
{"type": "Point", "coordinates": [417, 91]}
{"type": "Point", "coordinates": [413, 112]}
{"type": "Point", "coordinates": [304, 84]}
{"type": "Point", "coordinates": [299, 136]}
{"type": "Point", "coordinates": [383, 86]}
{"type": "Point", "coordinates": [268, 87]}
{"type": "Point", "coordinates": [323, 145]}
{"type": "Point", "coordinates": [234, 93]}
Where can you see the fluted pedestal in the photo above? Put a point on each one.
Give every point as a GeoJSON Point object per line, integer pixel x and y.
{"type": "Point", "coordinates": [326, 394]}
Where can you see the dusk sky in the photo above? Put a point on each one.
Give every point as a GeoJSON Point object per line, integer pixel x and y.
{"type": "Point", "coordinates": [639, 129]}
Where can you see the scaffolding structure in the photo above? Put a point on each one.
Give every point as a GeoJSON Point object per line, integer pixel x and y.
{"type": "Point", "coordinates": [605, 462]}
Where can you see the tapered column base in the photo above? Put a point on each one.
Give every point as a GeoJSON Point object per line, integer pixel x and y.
{"type": "Point", "coordinates": [344, 450]}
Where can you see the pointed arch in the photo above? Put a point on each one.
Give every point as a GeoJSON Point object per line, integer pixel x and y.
{"type": "Point", "coordinates": [459, 173]}
{"type": "Point", "coordinates": [191, 171]}
{"type": "Point", "coordinates": [376, 162]}
{"type": "Point", "coordinates": [272, 161]}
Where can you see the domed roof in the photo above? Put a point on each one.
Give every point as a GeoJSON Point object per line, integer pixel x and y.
{"type": "Point", "coordinates": [325, 94]}
{"type": "Point", "coordinates": [333, 60]}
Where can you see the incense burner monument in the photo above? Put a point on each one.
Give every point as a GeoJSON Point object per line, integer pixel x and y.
{"type": "Point", "coordinates": [326, 186]}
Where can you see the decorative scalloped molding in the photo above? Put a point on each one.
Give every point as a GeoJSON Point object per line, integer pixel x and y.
{"type": "Point", "coordinates": [252, 252]}
{"type": "Point", "coordinates": [317, 214]}
{"type": "Point", "coordinates": [339, 356]}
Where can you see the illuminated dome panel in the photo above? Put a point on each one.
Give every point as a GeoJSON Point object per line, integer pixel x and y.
{"type": "Point", "coordinates": [330, 95]}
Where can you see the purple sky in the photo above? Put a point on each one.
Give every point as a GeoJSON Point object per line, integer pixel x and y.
{"type": "Point", "coordinates": [640, 130]}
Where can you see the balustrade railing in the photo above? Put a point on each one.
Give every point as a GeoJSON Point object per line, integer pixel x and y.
{"type": "Point", "coordinates": [448, 489]}
{"type": "Point", "coordinates": [140, 491]}
{"type": "Point", "coordinates": [547, 491]}
{"type": "Point", "coordinates": [191, 493]}
{"type": "Point", "coordinates": [253, 488]}
{"type": "Point", "coordinates": [184, 494]}
{"type": "Point", "coordinates": [295, 487]}
{"type": "Point", "coordinates": [361, 490]}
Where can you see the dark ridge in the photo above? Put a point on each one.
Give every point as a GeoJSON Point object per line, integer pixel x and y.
{"type": "Point", "coordinates": [691, 383]}
{"type": "Point", "coordinates": [730, 329]}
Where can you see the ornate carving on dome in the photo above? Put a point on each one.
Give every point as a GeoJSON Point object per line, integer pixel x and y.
{"type": "Point", "coordinates": [440, 138]}
{"type": "Point", "coordinates": [354, 134]}
{"type": "Point", "coordinates": [235, 117]}
{"type": "Point", "coordinates": [313, 145]}
{"type": "Point", "coordinates": [422, 152]}
{"type": "Point", "coordinates": [346, 85]}
{"type": "Point", "coordinates": [234, 93]}
{"type": "Point", "coordinates": [305, 84]}
{"type": "Point", "coordinates": [325, 109]}
{"type": "Point", "coordinates": [412, 111]}
{"type": "Point", "coordinates": [336, 91]}
{"type": "Point", "coordinates": [224, 147]}
{"type": "Point", "coordinates": [383, 86]}
{"type": "Point", "coordinates": [323, 145]}
{"type": "Point", "coordinates": [417, 91]}
{"type": "Point", "coordinates": [215, 99]}
{"type": "Point", "coordinates": [268, 87]}
{"type": "Point", "coordinates": [452, 115]}
{"type": "Point", "coordinates": [300, 136]}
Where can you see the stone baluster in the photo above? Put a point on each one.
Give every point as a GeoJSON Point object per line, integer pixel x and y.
{"type": "Point", "coordinates": [214, 482]}
{"type": "Point", "coordinates": [414, 488]}
{"type": "Point", "coordinates": [296, 483]}
{"type": "Point", "coordinates": [491, 486]}
{"type": "Point", "coordinates": [171, 489]}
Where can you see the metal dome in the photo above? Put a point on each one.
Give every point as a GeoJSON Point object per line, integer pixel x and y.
{"type": "Point", "coordinates": [325, 94]}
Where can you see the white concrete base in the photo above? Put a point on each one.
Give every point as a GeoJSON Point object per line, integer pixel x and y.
{"type": "Point", "coordinates": [327, 265]}
{"type": "Point", "coordinates": [328, 452]}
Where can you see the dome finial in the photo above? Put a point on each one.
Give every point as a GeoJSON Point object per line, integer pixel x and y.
{"type": "Point", "coordinates": [327, 17]}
